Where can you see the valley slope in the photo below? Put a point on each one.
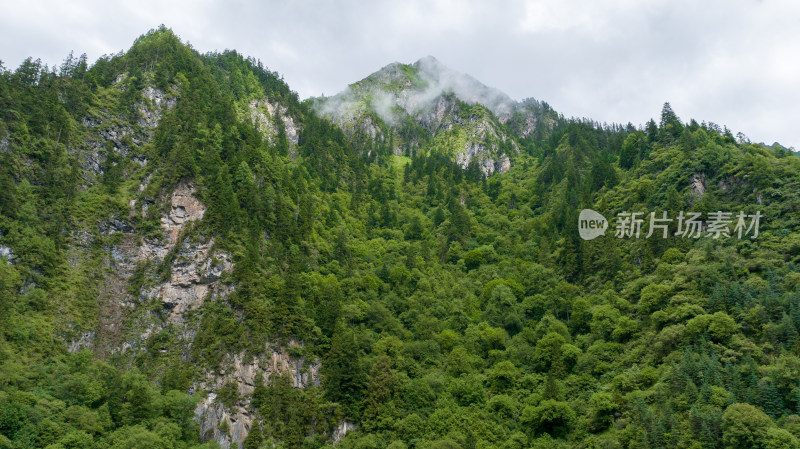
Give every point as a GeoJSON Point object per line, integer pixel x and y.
{"type": "Point", "coordinates": [190, 256]}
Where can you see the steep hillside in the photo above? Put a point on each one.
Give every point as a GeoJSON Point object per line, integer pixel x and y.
{"type": "Point", "coordinates": [425, 106]}
{"type": "Point", "coordinates": [191, 257]}
{"type": "Point", "coordinates": [139, 192]}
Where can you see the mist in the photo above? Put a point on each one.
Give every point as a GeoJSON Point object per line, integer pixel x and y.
{"type": "Point", "coordinates": [417, 95]}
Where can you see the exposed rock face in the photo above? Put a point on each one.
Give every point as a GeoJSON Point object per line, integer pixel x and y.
{"type": "Point", "coordinates": [6, 252]}
{"type": "Point", "coordinates": [465, 87]}
{"type": "Point", "coordinates": [196, 269]}
{"type": "Point", "coordinates": [479, 133]}
{"type": "Point", "coordinates": [110, 140]}
{"type": "Point", "coordinates": [4, 145]}
{"type": "Point", "coordinates": [210, 415]}
{"type": "Point", "coordinates": [110, 134]}
{"type": "Point", "coordinates": [528, 126]}
{"type": "Point", "coordinates": [184, 208]}
{"type": "Point", "coordinates": [442, 101]}
{"type": "Point", "coordinates": [475, 137]}
{"type": "Point", "coordinates": [151, 110]}
{"type": "Point", "coordinates": [342, 430]}
{"type": "Point", "coordinates": [176, 268]}
{"type": "Point", "coordinates": [263, 112]}
{"type": "Point", "coordinates": [244, 373]}
{"type": "Point", "coordinates": [106, 136]}
{"type": "Point", "coordinates": [82, 342]}
{"type": "Point", "coordinates": [503, 164]}
{"type": "Point", "coordinates": [699, 184]}
{"type": "Point", "coordinates": [530, 115]}
{"type": "Point", "coordinates": [195, 276]}
{"type": "Point", "coordinates": [196, 272]}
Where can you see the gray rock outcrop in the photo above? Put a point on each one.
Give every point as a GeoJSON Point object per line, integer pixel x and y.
{"type": "Point", "coordinates": [230, 426]}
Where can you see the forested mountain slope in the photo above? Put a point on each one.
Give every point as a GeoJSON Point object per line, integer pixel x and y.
{"type": "Point", "coordinates": [192, 257]}
{"type": "Point", "coordinates": [412, 109]}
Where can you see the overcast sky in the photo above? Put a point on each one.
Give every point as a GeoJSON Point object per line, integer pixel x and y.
{"type": "Point", "coordinates": [732, 62]}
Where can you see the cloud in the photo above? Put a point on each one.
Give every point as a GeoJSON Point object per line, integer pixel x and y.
{"type": "Point", "coordinates": [732, 62]}
{"type": "Point", "coordinates": [417, 97]}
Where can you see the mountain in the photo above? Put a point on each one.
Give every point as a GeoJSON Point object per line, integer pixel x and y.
{"type": "Point", "coordinates": [190, 257]}
{"type": "Point", "coordinates": [425, 105]}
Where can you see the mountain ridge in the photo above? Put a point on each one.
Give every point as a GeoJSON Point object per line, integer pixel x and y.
{"type": "Point", "coordinates": [426, 101]}
{"type": "Point", "coordinates": [190, 257]}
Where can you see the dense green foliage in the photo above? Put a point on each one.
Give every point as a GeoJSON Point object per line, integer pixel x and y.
{"type": "Point", "coordinates": [448, 310]}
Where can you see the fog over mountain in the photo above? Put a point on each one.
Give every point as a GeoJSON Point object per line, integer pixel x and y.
{"type": "Point", "coordinates": [414, 88]}
{"type": "Point", "coordinates": [726, 61]}
{"type": "Point", "coordinates": [424, 105]}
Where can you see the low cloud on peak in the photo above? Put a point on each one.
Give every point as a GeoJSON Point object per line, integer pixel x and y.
{"type": "Point", "coordinates": [415, 88]}
{"type": "Point", "coordinates": [731, 62]}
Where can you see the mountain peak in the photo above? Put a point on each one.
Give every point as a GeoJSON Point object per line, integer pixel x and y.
{"type": "Point", "coordinates": [416, 86]}
{"type": "Point", "coordinates": [438, 101]}
{"type": "Point", "coordinates": [429, 62]}
{"type": "Point", "coordinates": [427, 104]}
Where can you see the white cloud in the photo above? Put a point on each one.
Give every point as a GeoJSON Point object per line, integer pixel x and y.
{"type": "Point", "coordinates": [730, 62]}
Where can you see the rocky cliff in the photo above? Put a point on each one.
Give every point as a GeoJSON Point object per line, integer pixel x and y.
{"type": "Point", "coordinates": [154, 282]}
{"type": "Point", "coordinates": [426, 106]}
{"type": "Point", "coordinates": [229, 426]}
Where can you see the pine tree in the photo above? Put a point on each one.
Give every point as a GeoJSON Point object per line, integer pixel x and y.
{"type": "Point", "coordinates": [769, 398]}
{"type": "Point", "coordinates": [380, 387]}
{"type": "Point", "coordinates": [670, 127]}
{"type": "Point", "coordinates": [223, 211]}
{"type": "Point", "coordinates": [343, 377]}
{"type": "Point", "coordinates": [652, 131]}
